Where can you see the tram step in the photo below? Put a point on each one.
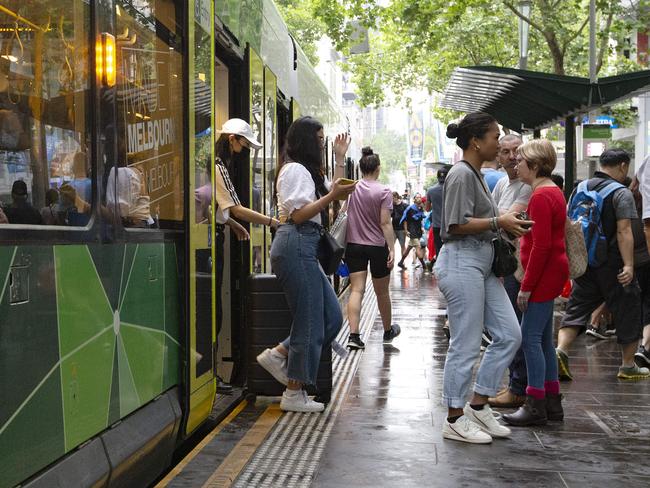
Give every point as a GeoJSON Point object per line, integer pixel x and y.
{"type": "Point", "coordinates": [269, 322]}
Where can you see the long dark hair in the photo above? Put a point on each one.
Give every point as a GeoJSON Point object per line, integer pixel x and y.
{"type": "Point", "coordinates": [475, 124]}
{"type": "Point", "coordinates": [222, 150]}
{"type": "Point", "coordinates": [302, 146]}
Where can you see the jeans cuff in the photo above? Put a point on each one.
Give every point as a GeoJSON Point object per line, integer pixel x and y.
{"type": "Point", "coordinates": [451, 402]}
{"type": "Point", "coordinates": [516, 390]}
{"type": "Point", "coordinates": [486, 391]}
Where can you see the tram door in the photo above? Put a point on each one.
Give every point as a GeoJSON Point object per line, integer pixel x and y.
{"type": "Point", "coordinates": [200, 221]}
{"type": "Point", "coordinates": [224, 359]}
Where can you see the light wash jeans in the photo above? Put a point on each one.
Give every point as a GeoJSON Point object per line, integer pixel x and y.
{"type": "Point", "coordinates": [317, 316]}
{"type": "Point", "coordinates": [475, 297]}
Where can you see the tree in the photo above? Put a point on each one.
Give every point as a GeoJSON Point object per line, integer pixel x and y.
{"type": "Point", "coordinates": [391, 148]}
{"type": "Point", "coordinates": [418, 43]}
{"type": "Point", "coordinates": [303, 25]}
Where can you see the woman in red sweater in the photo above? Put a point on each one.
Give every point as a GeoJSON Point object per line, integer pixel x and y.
{"type": "Point", "coordinates": [543, 256]}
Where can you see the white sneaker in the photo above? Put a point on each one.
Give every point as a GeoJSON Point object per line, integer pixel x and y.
{"type": "Point", "coordinates": [299, 402]}
{"type": "Point", "coordinates": [465, 430]}
{"type": "Point", "coordinates": [275, 365]}
{"type": "Point", "coordinates": [486, 420]}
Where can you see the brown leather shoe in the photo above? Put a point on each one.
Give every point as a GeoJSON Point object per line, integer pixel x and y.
{"type": "Point", "coordinates": [507, 399]}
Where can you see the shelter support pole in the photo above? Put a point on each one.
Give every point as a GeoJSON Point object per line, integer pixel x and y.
{"type": "Point", "coordinates": [569, 155]}
{"type": "Point", "coordinates": [537, 134]}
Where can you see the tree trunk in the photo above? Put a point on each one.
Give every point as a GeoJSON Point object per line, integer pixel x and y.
{"type": "Point", "coordinates": [556, 52]}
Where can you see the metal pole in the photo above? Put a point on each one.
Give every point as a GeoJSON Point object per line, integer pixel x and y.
{"type": "Point", "coordinates": [569, 155]}
{"type": "Point", "coordinates": [592, 41]}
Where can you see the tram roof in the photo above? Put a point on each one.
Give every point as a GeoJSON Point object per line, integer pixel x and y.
{"type": "Point", "coordinates": [525, 100]}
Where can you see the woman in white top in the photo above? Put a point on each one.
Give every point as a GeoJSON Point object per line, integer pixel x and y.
{"type": "Point", "coordinates": [303, 198]}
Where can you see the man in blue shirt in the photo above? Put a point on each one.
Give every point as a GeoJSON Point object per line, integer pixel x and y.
{"type": "Point", "coordinates": [491, 173]}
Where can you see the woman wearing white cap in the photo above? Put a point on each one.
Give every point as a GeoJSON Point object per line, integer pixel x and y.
{"type": "Point", "coordinates": [236, 135]}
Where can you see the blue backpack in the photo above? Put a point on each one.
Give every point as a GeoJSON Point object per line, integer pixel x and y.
{"type": "Point", "coordinates": [586, 207]}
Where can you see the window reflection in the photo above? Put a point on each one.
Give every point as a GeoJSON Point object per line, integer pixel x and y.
{"type": "Point", "coordinates": [45, 174]}
{"type": "Point", "coordinates": [146, 184]}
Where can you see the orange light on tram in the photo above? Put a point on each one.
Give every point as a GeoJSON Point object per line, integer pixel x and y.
{"type": "Point", "coordinates": [105, 60]}
{"type": "Point", "coordinates": [111, 62]}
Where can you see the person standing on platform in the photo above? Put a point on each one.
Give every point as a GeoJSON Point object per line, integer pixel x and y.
{"type": "Point", "coordinates": [303, 198]}
{"type": "Point", "coordinates": [370, 240]}
{"type": "Point", "coordinates": [512, 195]}
{"type": "Point", "coordinates": [475, 296]}
{"type": "Point", "coordinates": [399, 206]}
{"type": "Point", "coordinates": [412, 222]}
{"type": "Point", "coordinates": [546, 270]}
{"type": "Point", "coordinates": [491, 173]}
{"type": "Point", "coordinates": [613, 281]}
{"type": "Point", "coordinates": [236, 135]}
{"type": "Point", "coordinates": [434, 205]}
{"type": "Point", "coordinates": [642, 356]}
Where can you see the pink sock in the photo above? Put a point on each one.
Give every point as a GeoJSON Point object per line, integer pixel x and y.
{"type": "Point", "coordinates": [552, 387]}
{"type": "Point", "coordinates": [537, 393]}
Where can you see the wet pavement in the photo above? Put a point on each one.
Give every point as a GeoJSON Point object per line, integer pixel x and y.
{"type": "Point", "coordinates": [388, 430]}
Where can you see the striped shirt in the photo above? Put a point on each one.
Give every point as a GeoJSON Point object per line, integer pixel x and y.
{"type": "Point", "coordinates": [226, 196]}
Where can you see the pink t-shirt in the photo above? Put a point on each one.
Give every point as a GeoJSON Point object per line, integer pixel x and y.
{"type": "Point", "coordinates": [364, 213]}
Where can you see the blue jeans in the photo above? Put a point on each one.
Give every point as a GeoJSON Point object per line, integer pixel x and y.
{"type": "Point", "coordinates": [518, 378]}
{"type": "Point", "coordinates": [475, 297]}
{"type": "Point", "coordinates": [537, 343]}
{"type": "Point", "coordinates": [317, 316]}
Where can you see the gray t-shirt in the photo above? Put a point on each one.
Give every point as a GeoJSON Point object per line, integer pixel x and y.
{"type": "Point", "coordinates": [434, 197]}
{"type": "Point", "coordinates": [465, 197]}
{"type": "Point", "coordinates": [507, 192]}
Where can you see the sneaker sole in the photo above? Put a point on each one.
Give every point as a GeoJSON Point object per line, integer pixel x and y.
{"type": "Point", "coordinates": [267, 367]}
{"type": "Point", "coordinates": [641, 361]}
{"type": "Point", "coordinates": [354, 347]}
{"type": "Point", "coordinates": [632, 377]}
{"type": "Point", "coordinates": [597, 335]}
{"type": "Point", "coordinates": [456, 437]}
{"type": "Point", "coordinates": [299, 410]}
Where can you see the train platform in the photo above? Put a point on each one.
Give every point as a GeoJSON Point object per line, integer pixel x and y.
{"type": "Point", "coordinates": [383, 426]}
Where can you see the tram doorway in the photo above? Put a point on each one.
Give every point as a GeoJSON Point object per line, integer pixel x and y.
{"type": "Point", "coordinates": [224, 357]}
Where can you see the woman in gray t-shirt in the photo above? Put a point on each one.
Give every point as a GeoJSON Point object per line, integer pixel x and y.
{"type": "Point", "coordinates": [475, 297]}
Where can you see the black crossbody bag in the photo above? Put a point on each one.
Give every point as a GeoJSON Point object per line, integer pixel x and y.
{"type": "Point", "coordinates": [330, 252]}
{"type": "Point", "coordinates": [504, 262]}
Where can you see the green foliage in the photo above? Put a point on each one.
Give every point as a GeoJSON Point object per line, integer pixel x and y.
{"type": "Point", "coordinates": [430, 181]}
{"type": "Point", "coordinates": [624, 115]}
{"type": "Point", "coordinates": [391, 148]}
{"type": "Point", "coordinates": [303, 25]}
{"type": "Point", "coordinates": [418, 43]}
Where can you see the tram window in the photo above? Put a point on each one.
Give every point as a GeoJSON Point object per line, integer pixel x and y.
{"type": "Point", "coordinates": [146, 183]}
{"type": "Point", "coordinates": [45, 173]}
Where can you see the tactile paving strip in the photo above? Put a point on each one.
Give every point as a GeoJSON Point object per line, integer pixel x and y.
{"type": "Point", "coordinates": [289, 457]}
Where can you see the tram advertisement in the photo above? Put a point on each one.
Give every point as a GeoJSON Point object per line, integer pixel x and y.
{"type": "Point", "coordinates": [150, 117]}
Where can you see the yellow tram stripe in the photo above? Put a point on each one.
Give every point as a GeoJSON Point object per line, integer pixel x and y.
{"type": "Point", "coordinates": [199, 447]}
{"type": "Point", "coordinates": [229, 469]}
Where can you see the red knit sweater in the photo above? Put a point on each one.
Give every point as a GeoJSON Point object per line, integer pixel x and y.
{"type": "Point", "coordinates": [543, 254]}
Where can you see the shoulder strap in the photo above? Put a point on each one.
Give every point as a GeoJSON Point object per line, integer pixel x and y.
{"type": "Point", "coordinates": [482, 183]}
{"type": "Point", "coordinates": [608, 189]}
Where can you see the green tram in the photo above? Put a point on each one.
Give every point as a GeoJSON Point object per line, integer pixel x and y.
{"type": "Point", "coordinates": [108, 116]}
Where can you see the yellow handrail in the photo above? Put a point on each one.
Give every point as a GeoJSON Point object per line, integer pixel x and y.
{"type": "Point", "coordinates": [20, 18]}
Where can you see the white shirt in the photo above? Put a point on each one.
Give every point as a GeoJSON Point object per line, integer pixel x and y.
{"type": "Point", "coordinates": [295, 190]}
{"type": "Point", "coordinates": [507, 192]}
{"type": "Point", "coordinates": [129, 198]}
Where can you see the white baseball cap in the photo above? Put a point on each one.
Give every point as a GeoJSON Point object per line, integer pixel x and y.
{"type": "Point", "coordinates": [241, 128]}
